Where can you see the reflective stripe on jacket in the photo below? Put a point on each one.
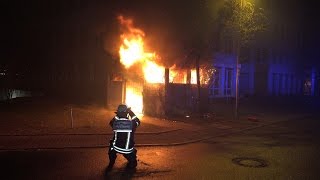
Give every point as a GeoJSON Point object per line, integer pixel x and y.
{"type": "Point", "coordinates": [123, 138]}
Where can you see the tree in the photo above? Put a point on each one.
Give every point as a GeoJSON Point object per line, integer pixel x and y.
{"type": "Point", "coordinates": [193, 34]}
{"type": "Point", "coordinates": [7, 83]}
{"type": "Point", "coordinates": [241, 20]}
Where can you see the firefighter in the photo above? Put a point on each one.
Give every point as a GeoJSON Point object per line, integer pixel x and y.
{"type": "Point", "coordinates": [123, 125]}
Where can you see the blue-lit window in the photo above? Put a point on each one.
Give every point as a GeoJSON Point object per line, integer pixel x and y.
{"type": "Point", "coordinates": [275, 83]}
{"type": "Point", "coordinates": [286, 87]}
{"type": "Point", "coordinates": [290, 91]}
{"type": "Point", "coordinates": [281, 83]}
{"type": "Point", "coordinates": [228, 81]}
{"type": "Point", "coordinates": [307, 87]}
{"type": "Point", "coordinates": [215, 86]}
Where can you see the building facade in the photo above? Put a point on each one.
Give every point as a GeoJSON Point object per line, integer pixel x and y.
{"type": "Point", "coordinates": [275, 64]}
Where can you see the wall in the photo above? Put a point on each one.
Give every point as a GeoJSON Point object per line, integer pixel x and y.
{"type": "Point", "coordinates": [16, 93]}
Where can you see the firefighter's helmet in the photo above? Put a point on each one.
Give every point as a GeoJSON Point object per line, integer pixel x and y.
{"type": "Point", "coordinates": [123, 108]}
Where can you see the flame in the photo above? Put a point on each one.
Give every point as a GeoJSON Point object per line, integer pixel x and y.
{"type": "Point", "coordinates": [134, 99]}
{"type": "Point", "coordinates": [153, 73]}
{"type": "Point", "coordinates": [193, 76]}
{"type": "Point", "coordinates": [132, 51]}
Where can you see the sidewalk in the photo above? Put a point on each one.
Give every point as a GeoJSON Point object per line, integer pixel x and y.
{"type": "Point", "coordinates": [153, 132]}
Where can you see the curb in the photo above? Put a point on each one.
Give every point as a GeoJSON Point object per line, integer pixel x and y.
{"type": "Point", "coordinates": [89, 134]}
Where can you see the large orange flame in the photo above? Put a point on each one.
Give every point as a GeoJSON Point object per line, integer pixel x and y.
{"type": "Point", "coordinates": [134, 99]}
{"type": "Point", "coordinates": [132, 48]}
{"type": "Point", "coordinates": [132, 51]}
{"type": "Point", "coordinates": [153, 73]}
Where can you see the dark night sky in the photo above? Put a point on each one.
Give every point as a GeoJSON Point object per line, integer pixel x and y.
{"type": "Point", "coordinates": [42, 31]}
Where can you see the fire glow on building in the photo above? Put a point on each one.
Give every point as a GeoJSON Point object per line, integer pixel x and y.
{"type": "Point", "coordinates": [143, 66]}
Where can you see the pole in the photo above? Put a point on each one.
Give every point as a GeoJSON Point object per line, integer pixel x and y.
{"type": "Point", "coordinates": [107, 91]}
{"type": "Point", "coordinates": [189, 91]}
{"type": "Point", "coordinates": [71, 114]}
{"type": "Point", "coordinates": [166, 89]}
{"type": "Point", "coordinates": [236, 113]}
{"type": "Point", "coordinates": [198, 82]}
{"type": "Point", "coordinates": [124, 90]}
{"type": "Point", "coordinates": [188, 76]}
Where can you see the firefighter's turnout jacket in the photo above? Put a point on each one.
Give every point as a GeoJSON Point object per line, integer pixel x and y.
{"type": "Point", "coordinates": [124, 129]}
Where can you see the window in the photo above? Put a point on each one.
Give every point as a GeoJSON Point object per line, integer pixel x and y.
{"type": "Point", "coordinates": [257, 55]}
{"type": "Point", "coordinates": [307, 87]}
{"type": "Point", "coordinates": [280, 60]}
{"type": "Point", "coordinates": [290, 91]}
{"type": "Point", "coordinates": [217, 81]}
{"type": "Point", "coordinates": [261, 55]}
{"type": "Point", "coordinates": [245, 55]}
{"type": "Point", "coordinates": [281, 84]}
{"type": "Point", "coordinates": [286, 85]}
{"type": "Point", "coordinates": [294, 85]}
{"type": "Point", "coordinates": [228, 45]}
{"type": "Point", "coordinates": [228, 81]}
{"type": "Point", "coordinates": [215, 86]}
{"type": "Point", "coordinates": [264, 55]}
{"type": "Point", "coordinates": [275, 83]}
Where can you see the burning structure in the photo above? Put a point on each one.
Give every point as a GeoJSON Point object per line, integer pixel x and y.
{"type": "Point", "coordinates": [149, 87]}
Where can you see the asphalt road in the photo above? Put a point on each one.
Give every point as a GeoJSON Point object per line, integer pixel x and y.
{"type": "Point", "coordinates": [288, 150]}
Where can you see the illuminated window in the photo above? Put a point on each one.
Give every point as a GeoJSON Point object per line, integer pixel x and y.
{"type": "Point", "coordinates": [307, 87]}
{"type": "Point", "coordinates": [215, 86]}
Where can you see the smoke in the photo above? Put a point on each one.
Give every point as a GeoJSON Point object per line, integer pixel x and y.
{"type": "Point", "coordinates": [171, 29]}
{"type": "Point", "coordinates": [127, 26]}
{"type": "Point", "coordinates": [159, 37]}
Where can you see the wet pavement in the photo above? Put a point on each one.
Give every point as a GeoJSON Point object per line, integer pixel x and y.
{"type": "Point", "coordinates": [289, 149]}
{"type": "Point", "coordinates": [153, 132]}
